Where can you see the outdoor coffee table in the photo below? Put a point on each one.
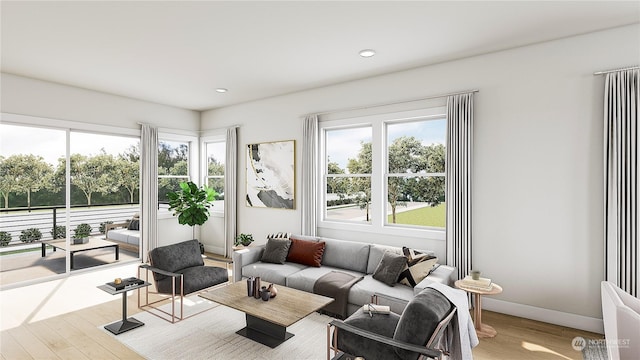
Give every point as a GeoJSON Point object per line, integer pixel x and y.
{"type": "Point", "coordinates": [94, 243]}
{"type": "Point", "coordinates": [267, 321]}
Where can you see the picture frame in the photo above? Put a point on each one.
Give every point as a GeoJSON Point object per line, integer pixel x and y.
{"type": "Point", "coordinates": [270, 177]}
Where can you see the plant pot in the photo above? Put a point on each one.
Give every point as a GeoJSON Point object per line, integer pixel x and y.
{"type": "Point", "coordinates": [83, 240]}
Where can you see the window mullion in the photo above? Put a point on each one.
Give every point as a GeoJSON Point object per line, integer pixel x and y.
{"type": "Point", "coordinates": [378, 168]}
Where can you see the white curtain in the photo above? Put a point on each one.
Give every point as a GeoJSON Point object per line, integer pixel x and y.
{"type": "Point", "coordinates": [459, 166]}
{"type": "Point", "coordinates": [621, 214]}
{"type": "Point", "coordinates": [149, 188]}
{"type": "Point", "coordinates": [230, 189]}
{"type": "Point", "coordinates": [309, 175]}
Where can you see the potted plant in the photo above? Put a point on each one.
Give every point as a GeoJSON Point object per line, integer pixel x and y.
{"type": "Point", "coordinates": [191, 203]}
{"type": "Point", "coordinates": [30, 235]}
{"type": "Point", "coordinates": [81, 234]}
{"type": "Point", "coordinates": [243, 239]}
{"type": "Point", "coordinates": [5, 238]}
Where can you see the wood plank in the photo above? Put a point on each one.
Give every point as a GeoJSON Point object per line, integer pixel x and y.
{"type": "Point", "coordinates": [30, 342]}
{"type": "Point", "coordinates": [12, 349]}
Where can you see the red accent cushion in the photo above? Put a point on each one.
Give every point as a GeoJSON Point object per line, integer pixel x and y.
{"type": "Point", "coordinates": [306, 252]}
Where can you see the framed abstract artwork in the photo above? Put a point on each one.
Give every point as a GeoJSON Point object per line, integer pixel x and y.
{"type": "Point", "coordinates": [271, 174]}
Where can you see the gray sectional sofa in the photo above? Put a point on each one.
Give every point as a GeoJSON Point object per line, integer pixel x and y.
{"type": "Point", "coordinates": [357, 258]}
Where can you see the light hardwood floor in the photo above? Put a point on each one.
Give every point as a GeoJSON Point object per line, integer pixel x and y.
{"type": "Point", "coordinates": [76, 335]}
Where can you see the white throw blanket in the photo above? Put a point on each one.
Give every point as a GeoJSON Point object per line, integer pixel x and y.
{"type": "Point", "coordinates": [461, 336]}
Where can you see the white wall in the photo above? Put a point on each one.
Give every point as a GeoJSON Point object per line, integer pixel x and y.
{"type": "Point", "coordinates": [538, 163]}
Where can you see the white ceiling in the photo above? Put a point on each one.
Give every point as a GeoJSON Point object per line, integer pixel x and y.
{"type": "Point", "coordinates": [178, 53]}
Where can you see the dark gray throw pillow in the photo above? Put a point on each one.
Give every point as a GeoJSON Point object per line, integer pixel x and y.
{"type": "Point", "coordinates": [390, 267]}
{"type": "Point", "coordinates": [276, 251]}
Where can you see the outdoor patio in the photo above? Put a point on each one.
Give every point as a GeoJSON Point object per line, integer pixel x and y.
{"type": "Point", "coordinates": [31, 265]}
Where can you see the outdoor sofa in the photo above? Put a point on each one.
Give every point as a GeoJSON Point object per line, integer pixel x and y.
{"type": "Point", "coordinates": [127, 232]}
{"type": "Point", "coordinates": [356, 258]}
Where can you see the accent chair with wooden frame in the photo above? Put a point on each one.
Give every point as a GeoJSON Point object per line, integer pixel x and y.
{"type": "Point", "coordinates": [179, 270]}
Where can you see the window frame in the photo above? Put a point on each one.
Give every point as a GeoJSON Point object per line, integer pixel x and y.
{"type": "Point", "coordinates": [379, 173]}
{"type": "Point", "coordinates": [192, 163]}
{"type": "Point", "coordinates": [216, 137]}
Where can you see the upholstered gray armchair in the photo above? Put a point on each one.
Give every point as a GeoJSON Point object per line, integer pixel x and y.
{"type": "Point", "coordinates": [412, 335]}
{"type": "Point", "coordinates": [179, 270]}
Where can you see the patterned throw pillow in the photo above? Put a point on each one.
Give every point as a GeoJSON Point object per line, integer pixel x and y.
{"type": "Point", "coordinates": [419, 266]}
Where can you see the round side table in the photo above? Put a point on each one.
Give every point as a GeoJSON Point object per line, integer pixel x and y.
{"type": "Point", "coordinates": [483, 330]}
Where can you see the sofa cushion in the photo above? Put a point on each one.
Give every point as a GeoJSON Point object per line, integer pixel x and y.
{"type": "Point", "coordinates": [176, 257]}
{"type": "Point", "coordinates": [306, 252]}
{"type": "Point", "coordinates": [276, 251]}
{"type": "Point", "coordinates": [390, 267]}
{"type": "Point", "coordinates": [274, 273]}
{"type": "Point", "coordinates": [306, 278]}
{"type": "Point", "coordinates": [348, 255]}
{"type": "Point", "coordinates": [124, 235]}
{"type": "Point", "coordinates": [362, 291]}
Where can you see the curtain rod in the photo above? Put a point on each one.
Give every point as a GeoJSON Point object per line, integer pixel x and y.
{"type": "Point", "coordinates": [391, 103]}
{"type": "Point", "coordinates": [616, 70]}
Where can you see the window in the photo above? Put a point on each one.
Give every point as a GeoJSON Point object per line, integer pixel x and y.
{"type": "Point", "coordinates": [348, 174]}
{"type": "Point", "coordinates": [173, 167]}
{"type": "Point", "coordinates": [415, 179]}
{"type": "Point", "coordinates": [385, 172]}
{"type": "Point", "coordinates": [215, 165]}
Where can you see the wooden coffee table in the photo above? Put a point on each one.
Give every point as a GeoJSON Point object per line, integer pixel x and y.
{"type": "Point", "coordinates": [94, 243]}
{"type": "Point", "coordinates": [267, 321]}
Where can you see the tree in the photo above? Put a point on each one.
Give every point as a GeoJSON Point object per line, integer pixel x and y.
{"type": "Point", "coordinates": [360, 187]}
{"type": "Point", "coordinates": [7, 179]}
{"type": "Point", "coordinates": [93, 174]}
{"type": "Point", "coordinates": [406, 156]}
{"type": "Point", "coordinates": [128, 175]}
{"type": "Point", "coordinates": [336, 185]}
{"type": "Point", "coordinates": [216, 168]}
{"type": "Point", "coordinates": [25, 174]}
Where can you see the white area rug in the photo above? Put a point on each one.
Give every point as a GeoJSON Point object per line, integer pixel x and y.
{"type": "Point", "coordinates": [211, 335]}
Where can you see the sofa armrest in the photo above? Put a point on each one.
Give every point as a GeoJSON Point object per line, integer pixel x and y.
{"type": "Point", "coordinates": [245, 257]}
{"type": "Point", "coordinates": [444, 274]}
{"type": "Point", "coordinates": [108, 227]}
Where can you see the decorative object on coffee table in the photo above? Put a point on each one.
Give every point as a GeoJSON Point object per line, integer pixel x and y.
{"type": "Point", "coordinates": [81, 234]}
{"type": "Point", "coordinates": [271, 175]}
{"type": "Point", "coordinates": [483, 331]}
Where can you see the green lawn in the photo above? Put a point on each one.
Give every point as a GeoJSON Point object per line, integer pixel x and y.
{"type": "Point", "coordinates": [426, 216]}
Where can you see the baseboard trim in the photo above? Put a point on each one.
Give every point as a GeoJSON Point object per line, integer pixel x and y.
{"type": "Point", "coordinates": [545, 315]}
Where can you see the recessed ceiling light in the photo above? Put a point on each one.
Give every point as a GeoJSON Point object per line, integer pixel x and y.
{"type": "Point", "coordinates": [367, 53]}
{"type": "Point", "coordinates": [222, 90]}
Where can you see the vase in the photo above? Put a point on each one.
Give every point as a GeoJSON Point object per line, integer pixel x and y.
{"type": "Point", "coordinates": [272, 290]}
{"type": "Point", "coordinates": [265, 294]}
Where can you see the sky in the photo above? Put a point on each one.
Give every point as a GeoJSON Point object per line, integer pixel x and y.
{"type": "Point", "coordinates": [345, 143]}
{"type": "Point", "coordinates": [50, 143]}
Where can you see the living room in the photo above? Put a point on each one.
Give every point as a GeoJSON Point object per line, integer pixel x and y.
{"type": "Point", "coordinates": [538, 176]}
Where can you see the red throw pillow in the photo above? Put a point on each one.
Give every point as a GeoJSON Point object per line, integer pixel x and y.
{"type": "Point", "coordinates": [306, 252]}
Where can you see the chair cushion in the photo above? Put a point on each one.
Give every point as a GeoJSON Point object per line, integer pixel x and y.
{"type": "Point", "coordinates": [176, 257]}
{"type": "Point", "coordinates": [420, 318]}
{"type": "Point", "coordinates": [276, 251]}
{"type": "Point", "coordinates": [381, 324]}
{"type": "Point", "coordinates": [195, 279]}
{"type": "Point", "coordinates": [306, 252]}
